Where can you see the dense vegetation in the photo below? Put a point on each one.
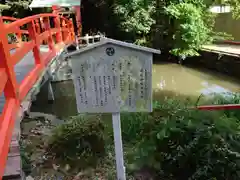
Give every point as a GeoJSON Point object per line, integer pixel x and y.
{"type": "Point", "coordinates": [174, 142]}
{"type": "Point", "coordinates": [178, 27]}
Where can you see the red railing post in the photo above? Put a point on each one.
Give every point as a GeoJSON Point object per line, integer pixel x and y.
{"type": "Point", "coordinates": [64, 33]}
{"type": "Point", "coordinates": [14, 92]}
{"type": "Point", "coordinates": [47, 28]}
{"type": "Point", "coordinates": [11, 98]}
{"type": "Point", "coordinates": [79, 20]}
{"type": "Point", "coordinates": [57, 25]}
{"type": "Point", "coordinates": [42, 29]}
{"type": "Point", "coordinates": [37, 27]}
{"type": "Point", "coordinates": [19, 36]}
{"type": "Point", "coordinates": [33, 37]}
{"type": "Point", "coordinates": [71, 28]}
{"type": "Point", "coordinates": [5, 62]}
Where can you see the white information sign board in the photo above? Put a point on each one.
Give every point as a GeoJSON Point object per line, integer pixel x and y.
{"type": "Point", "coordinates": [106, 84]}
{"type": "Point", "coordinates": [111, 77]}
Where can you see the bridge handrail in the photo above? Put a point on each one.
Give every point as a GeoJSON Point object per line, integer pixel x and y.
{"type": "Point", "coordinates": [11, 27]}
{"type": "Point", "coordinates": [15, 92]}
{"type": "Point", "coordinates": [7, 18]}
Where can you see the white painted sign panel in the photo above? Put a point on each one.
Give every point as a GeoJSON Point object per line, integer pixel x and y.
{"type": "Point", "coordinates": [112, 78]}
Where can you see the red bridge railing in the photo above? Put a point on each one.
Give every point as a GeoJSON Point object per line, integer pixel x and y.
{"type": "Point", "coordinates": [36, 30]}
{"type": "Point", "coordinates": [219, 107]}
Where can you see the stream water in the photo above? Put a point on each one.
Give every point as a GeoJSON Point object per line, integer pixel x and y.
{"type": "Point", "coordinates": [167, 79]}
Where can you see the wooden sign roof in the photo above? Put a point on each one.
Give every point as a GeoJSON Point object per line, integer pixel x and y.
{"type": "Point", "coordinates": [116, 42]}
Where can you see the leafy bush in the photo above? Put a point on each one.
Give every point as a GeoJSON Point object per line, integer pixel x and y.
{"type": "Point", "coordinates": [180, 143]}
{"type": "Point", "coordinates": [191, 29]}
{"type": "Point", "coordinates": [79, 140]}
{"type": "Point", "coordinates": [175, 141]}
{"type": "Point", "coordinates": [135, 16]}
{"type": "Point", "coordinates": [227, 98]}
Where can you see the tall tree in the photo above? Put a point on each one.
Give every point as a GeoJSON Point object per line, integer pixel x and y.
{"type": "Point", "coordinates": [177, 26]}
{"type": "Point", "coordinates": [19, 8]}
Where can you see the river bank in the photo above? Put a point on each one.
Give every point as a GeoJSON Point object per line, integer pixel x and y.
{"type": "Point", "coordinates": [218, 62]}
{"type": "Point", "coordinates": [173, 86]}
{"type": "Point", "coordinates": [168, 79]}
{"type": "Point", "coordinates": [157, 145]}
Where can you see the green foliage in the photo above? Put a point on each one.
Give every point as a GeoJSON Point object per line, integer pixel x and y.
{"type": "Point", "coordinates": [135, 17]}
{"type": "Point", "coordinates": [178, 27]}
{"type": "Point", "coordinates": [234, 4]}
{"type": "Point", "coordinates": [17, 8]}
{"type": "Point", "coordinates": [191, 29]}
{"type": "Point", "coordinates": [181, 143]}
{"type": "Point", "coordinates": [183, 26]}
{"type": "Point", "coordinates": [3, 7]}
{"type": "Point", "coordinates": [174, 140]}
{"type": "Point", "coordinates": [25, 159]}
{"type": "Point", "coordinates": [235, 7]}
{"type": "Point", "coordinates": [132, 126]}
{"type": "Point", "coordinates": [143, 41]}
{"type": "Point", "coordinates": [227, 98]}
{"type": "Point", "coordinates": [79, 140]}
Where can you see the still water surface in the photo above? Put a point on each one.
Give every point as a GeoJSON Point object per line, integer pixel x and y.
{"type": "Point", "coordinates": [167, 79]}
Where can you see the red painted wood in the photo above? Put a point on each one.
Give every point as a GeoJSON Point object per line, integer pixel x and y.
{"type": "Point", "coordinates": [24, 48]}
{"type": "Point", "coordinates": [46, 22]}
{"type": "Point", "coordinates": [7, 125]}
{"type": "Point", "coordinates": [46, 57]}
{"type": "Point", "coordinates": [29, 81]}
{"type": "Point", "coordinates": [36, 45]}
{"type": "Point", "coordinates": [58, 32]}
{"type": "Point", "coordinates": [3, 78]}
{"type": "Point", "coordinates": [219, 107]}
{"type": "Point", "coordinates": [11, 86]}
{"type": "Point", "coordinates": [43, 36]}
{"type": "Point", "coordinates": [232, 42]}
{"type": "Point", "coordinates": [14, 92]}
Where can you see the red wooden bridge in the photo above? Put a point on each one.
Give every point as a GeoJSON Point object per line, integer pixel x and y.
{"type": "Point", "coordinates": [39, 39]}
{"type": "Point", "coordinates": [23, 60]}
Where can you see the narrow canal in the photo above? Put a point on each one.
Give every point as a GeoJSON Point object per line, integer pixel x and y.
{"type": "Point", "coordinates": [168, 79]}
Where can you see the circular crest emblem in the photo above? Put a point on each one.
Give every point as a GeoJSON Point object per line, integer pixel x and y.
{"type": "Point", "coordinates": [110, 51]}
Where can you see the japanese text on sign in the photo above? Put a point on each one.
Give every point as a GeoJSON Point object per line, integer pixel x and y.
{"type": "Point", "coordinates": [112, 84]}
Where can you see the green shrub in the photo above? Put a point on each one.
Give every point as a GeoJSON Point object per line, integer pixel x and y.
{"type": "Point", "coordinates": [175, 141]}
{"type": "Point", "coordinates": [181, 143]}
{"type": "Point", "coordinates": [221, 99]}
{"type": "Point", "coordinates": [134, 125]}
{"type": "Point", "coordinates": [192, 27]}
{"type": "Point", "coordinates": [229, 98]}
{"type": "Point", "coordinates": [25, 159]}
{"type": "Point", "coordinates": [79, 140]}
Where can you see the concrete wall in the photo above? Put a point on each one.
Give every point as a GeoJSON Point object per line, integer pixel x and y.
{"type": "Point", "coordinates": [222, 63]}
{"type": "Point", "coordinates": [225, 23]}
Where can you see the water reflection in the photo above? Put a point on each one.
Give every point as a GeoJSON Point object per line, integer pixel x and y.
{"type": "Point", "coordinates": [191, 81]}
{"type": "Point", "coordinates": [167, 79]}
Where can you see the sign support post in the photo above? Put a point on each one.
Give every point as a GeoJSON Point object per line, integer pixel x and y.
{"type": "Point", "coordinates": [118, 146]}
{"type": "Point", "coordinates": [112, 77]}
